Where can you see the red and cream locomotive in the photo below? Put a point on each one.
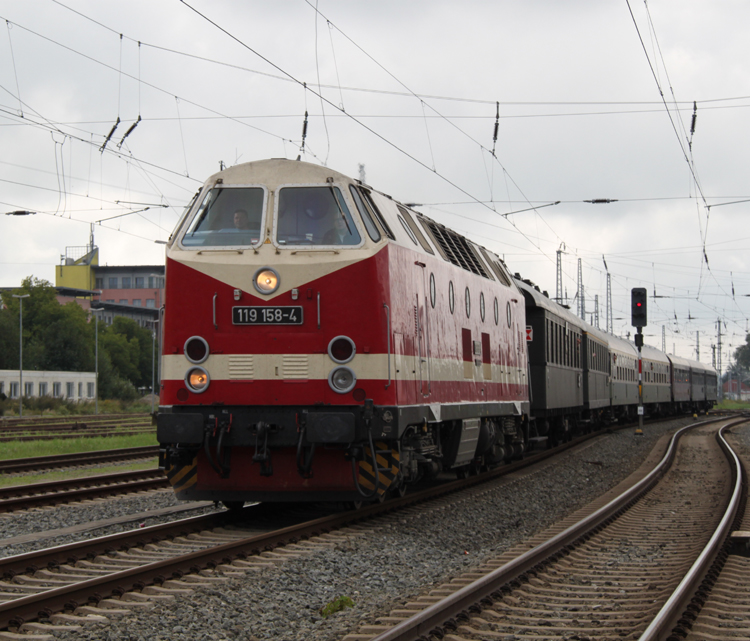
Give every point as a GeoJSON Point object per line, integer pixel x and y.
{"type": "Point", "coordinates": [322, 341]}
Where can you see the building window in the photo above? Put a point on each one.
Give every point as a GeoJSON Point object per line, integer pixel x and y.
{"type": "Point", "coordinates": [80, 390]}
{"type": "Point", "coordinates": [136, 302]}
{"type": "Point", "coordinates": [139, 282]}
{"type": "Point", "coordinates": [28, 389]}
{"type": "Point", "coordinates": [123, 301]}
{"type": "Point", "coordinates": [42, 389]}
{"type": "Point", "coordinates": [90, 390]}
{"type": "Point", "coordinates": [99, 283]}
{"type": "Point", "coordinates": [126, 282]}
{"type": "Point", "coordinates": [113, 282]}
{"type": "Point", "coordinates": [14, 390]}
{"type": "Point", "coordinates": [110, 300]}
{"type": "Point", "coordinates": [150, 303]}
{"type": "Point", "coordinates": [70, 390]}
{"type": "Point", "coordinates": [56, 389]}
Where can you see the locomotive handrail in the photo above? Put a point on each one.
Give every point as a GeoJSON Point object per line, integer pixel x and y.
{"type": "Point", "coordinates": [388, 319]}
{"type": "Point", "coordinates": [216, 294]}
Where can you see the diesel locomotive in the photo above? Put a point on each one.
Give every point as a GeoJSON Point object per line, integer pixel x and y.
{"type": "Point", "coordinates": [323, 342]}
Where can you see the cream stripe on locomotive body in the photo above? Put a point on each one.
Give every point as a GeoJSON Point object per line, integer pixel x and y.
{"type": "Point", "coordinates": [290, 349]}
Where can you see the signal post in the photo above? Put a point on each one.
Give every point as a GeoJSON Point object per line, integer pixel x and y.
{"type": "Point", "coordinates": [638, 316]}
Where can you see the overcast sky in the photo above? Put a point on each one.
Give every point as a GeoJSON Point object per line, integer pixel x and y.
{"type": "Point", "coordinates": [595, 103]}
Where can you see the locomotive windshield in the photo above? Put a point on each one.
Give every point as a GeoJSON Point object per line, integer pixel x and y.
{"type": "Point", "coordinates": [227, 216]}
{"type": "Point", "coordinates": [314, 216]}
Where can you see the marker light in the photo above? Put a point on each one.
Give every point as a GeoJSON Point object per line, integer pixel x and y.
{"type": "Point", "coordinates": [266, 280]}
{"type": "Point", "coordinates": [196, 349]}
{"type": "Point", "coordinates": [341, 349]}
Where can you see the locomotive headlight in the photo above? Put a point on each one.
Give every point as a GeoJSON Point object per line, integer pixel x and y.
{"type": "Point", "coordinates": [266, 280]}
{"type": "Point", "coordinates": [197, 380]}
{"type": "Point", "coordinates": [342, 380]}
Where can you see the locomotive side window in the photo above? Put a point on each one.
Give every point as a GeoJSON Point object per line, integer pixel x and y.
{"type": "Point", "coordinates": [408, 231]}
{"type": "Point", "coordinates": [228, 216]}
{"type": "Point", "coordinates": [481, 306]}
{"type": "Point", "coordinates": [433, 291]}
{"type": "Point", "coordinates": [468, 303]}
{"type": "Point", "coordinates": [370, 226]}
{"type": "Point", "coordinates": [367, 199]}
{"type": "Point", "coordinates": [414, 231]}
{"type": "Point", "coordinates": [497, 312]}
{"type": "Point", "coordinates": [314, 216]}
{"type": "Point", "coordinates": [451, 296]}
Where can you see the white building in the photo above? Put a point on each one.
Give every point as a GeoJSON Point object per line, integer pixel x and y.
{"type": "Point", "coordinates": [73, 386]}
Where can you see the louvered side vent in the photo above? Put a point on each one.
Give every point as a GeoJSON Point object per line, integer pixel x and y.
{"type": "Point", "coordinates": [241, 367]}
{"type": "Point", "coordinates": [457, 249]}
{"type": "Point", "coordinates": [295, 366]}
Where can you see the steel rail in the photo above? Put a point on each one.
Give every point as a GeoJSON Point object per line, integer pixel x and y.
{"type": "Point", "coordinates": [53, 492]}
{"type": "Point", "coordinates": [79, 458]}
{"type": "Point", "coordinates": [669, 616]}
{"type": "Point", "coordinates": [436, 615]}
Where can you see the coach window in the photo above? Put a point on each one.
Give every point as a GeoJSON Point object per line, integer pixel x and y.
{"type": "Point", "coordinates": [372, 229]}
{"type": "Point", "coordinates": [451, 297]}
{"type": "Point", "coordinates": [468, 303]}
{"type": "Point", "coordinates": [228, 216]}
{"type": "Point", "coordinates": [433, 292]}
{"type": "Point", "coordinates": [481, 306]}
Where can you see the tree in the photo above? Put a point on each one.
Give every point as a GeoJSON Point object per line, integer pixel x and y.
{"type": "Point", "coordinates": [742, 354]}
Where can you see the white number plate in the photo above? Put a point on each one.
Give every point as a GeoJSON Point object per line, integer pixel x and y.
{"type": "Point", "coordinates": [267, 315]}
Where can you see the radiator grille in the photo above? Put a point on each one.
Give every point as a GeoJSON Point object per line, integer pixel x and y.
{"type": "Point", "coordinates": [295, 366]}
{"type": "Point", "coordinates": [241, 367]}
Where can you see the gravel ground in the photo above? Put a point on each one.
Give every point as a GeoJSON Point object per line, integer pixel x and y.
{"type": "Point", "coordinates": [64, 516]}
{"type": "Point", "coordinates": [385, 567]}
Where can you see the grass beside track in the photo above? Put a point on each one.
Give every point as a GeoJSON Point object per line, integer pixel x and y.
{"type": "Point", "coordinates": [29, 449]}
{"type": "Point", "coordinates": [64, 475]}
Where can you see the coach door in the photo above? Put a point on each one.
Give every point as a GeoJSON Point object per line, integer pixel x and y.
{"type": "Point", "coordinates": [421, 330]}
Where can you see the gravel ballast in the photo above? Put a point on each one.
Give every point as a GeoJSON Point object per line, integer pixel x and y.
{"type": "Point", "coordinates": [378, 569]}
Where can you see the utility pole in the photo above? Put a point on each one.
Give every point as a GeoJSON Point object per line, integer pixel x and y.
{"type": "Point", "coordinates": [558, 276]}
{"type": "Point", "coordinates": [610, 320]}
{"type": "Point", "coordinates": [596, 311]}
{"type": "Point", "coordinates": [663, 339]}
{"type": "Point", "coordinates": [697, 346]}
{"type": "Point", "coordinates": [581, 304]}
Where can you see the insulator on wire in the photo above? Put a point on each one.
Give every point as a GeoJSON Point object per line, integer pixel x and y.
{"type": "Point", "coordinates": [129, 131]}
{"type": "Point", "coordinates": [109, 135]}
{"type": "Point", "coordinates": [497, 125]}
{"type": "Point", "coordinates": [304, 135]}
{"type": "Point", "coordinates": [695, 117]}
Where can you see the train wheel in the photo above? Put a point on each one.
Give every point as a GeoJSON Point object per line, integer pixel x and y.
{"type": "Point", "coordinates": [234, 505]}
{"type": "Point", "coordinates": [353, 506]}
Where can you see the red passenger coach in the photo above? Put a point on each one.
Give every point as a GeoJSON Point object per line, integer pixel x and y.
{"type": "Point", "coordinates": [324, 342]}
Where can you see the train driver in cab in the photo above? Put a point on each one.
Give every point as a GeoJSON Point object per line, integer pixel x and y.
{"type": "Point", "coordinates": [340, 233]}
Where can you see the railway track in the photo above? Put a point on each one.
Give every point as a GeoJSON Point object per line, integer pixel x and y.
{"type": "Point", "coordinates": [637, 566]}
{"type": "Point", "coordinates": [74, 427]}
{"type": "Point", "coordinates": [153, 561]}
{"type": "Point", "coordinates": [58, 461]}
{"type": "Point", "coordinates": [21, 497]}
{"type": "Point", "coordinates": [160, 565]}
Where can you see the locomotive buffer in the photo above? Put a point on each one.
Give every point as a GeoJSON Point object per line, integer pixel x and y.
{"type": "Point", "coordinates": [638, 298]}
